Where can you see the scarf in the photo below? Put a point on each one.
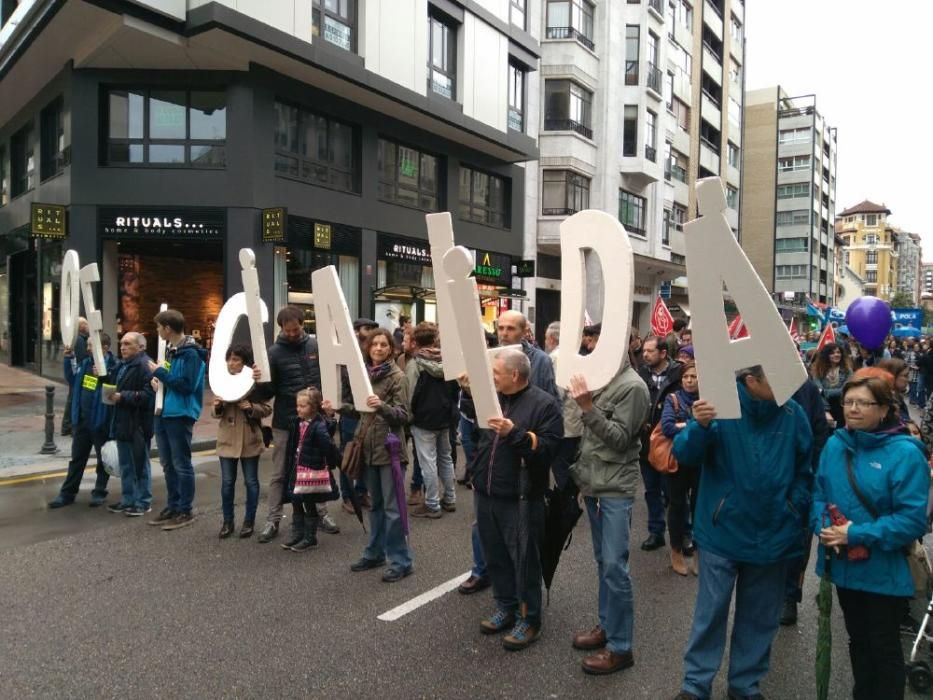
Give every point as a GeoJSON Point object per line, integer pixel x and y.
{"type": "Point", "coordinates": [379, 371]}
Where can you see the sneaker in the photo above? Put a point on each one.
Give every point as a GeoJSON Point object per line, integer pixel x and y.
{"type": "Point", "coordinates": [136, 512]}
{"type": "Point", "coordinates": [499, 621]}
{"type": "Point", "coordinates": [97, 501]}
{"type": "Point", "coordinates": [522, 636]}
{"type": "Point", "coordinates": [449, 506]}
{"type": "Point", "coordinates": [117, 508]}
{"type": "Point", "coordinates": [393, 574]}
{"type": "Point", "coordinates": [422, 511]}
{"type": "Point", "coordinates": [364, 564]}
{"type": "Point", "coordinates": [162, 518]}
{"type": "Point", "coordinates": [61, 502]}
{"type": "Point", "coordinates": [269, 532]}
{"type": "Point", "coordinates": [328, 525]}
{"type": "Point", "coordinates": [180, 520]}
{"type": "Point", "coordinates": [304, 545]}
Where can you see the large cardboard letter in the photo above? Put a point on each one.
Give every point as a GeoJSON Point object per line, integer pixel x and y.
{"type": "Point", "coordinates": [256, 316]}
{"type": "Point", "coordinates": [470, 337]}
{"type": "Point", "coordinates": [231, 387]}
{"type": "Point", "coordinates": [714, 257]}
{"type": "Point", "coordinates": [160, 360]}
{"type": "Point", "coordinates": [441, 238]}
{"type": "Point", "coordinates": [337, 344]}
{"type": "Point", "coordinates": [95, 321]}
{"type": "Point", "coordinates": [70, 299]}
{"type": "Point", "coordinates": [602, 235]}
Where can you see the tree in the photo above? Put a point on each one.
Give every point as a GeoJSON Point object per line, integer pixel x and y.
{"type": "Point", "coordinates": [903, 300]}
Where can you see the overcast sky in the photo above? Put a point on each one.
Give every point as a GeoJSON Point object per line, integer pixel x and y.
{"type": "Point", "coordinates": [870, 65]}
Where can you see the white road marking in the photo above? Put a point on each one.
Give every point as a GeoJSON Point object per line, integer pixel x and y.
{"type": "Point", "coordinates": [423, 599]}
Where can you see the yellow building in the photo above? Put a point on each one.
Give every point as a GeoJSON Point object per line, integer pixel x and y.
{"type": "Point", "coordinates": [870, 247]}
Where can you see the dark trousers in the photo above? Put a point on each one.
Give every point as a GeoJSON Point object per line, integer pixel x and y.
{"type": "Point", "coordinates": [655, 496]}
{"type": "Point", "coordinates": [347, 429]}
{"type": "Point", "coordinates": [797, 569]}
{"type": "Point", "coordinates": [82, 442]}
{"type": "Point", "coordinates": [682, 491]}
{"type": "Point", "coordinates": [566, 453]}
{"type": "Point", "coordinates": [873, 623]}
{"type": "Point", "coordinates": [502, 533]}
{"type": "Point", "coordinates": [66, 414]}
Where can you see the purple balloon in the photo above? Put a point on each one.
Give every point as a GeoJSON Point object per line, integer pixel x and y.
{"type": "Point", "coordinates": [869, 320]}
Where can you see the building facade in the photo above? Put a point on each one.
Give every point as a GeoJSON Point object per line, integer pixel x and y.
{"type": "Point", "coordinates": [909, 263]}
{"type": "Point", "coordinates": [173, 133]}
{"type": "Point", "coordinates": [790, 197]}
{"type": "Point", "coordinates": [638, 101]}
{"type": "Point", "coordinates": [926, 273]}
{"type": "Point", "coordinates": [871, 247]}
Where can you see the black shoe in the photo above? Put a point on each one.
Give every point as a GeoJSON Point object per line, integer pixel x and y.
{"type": "Point", "coordinates": [392, 574]}
{"type": "Point", "coordinates": [117, 508]}
{"type": "Point", "coordinates": [226, 530]}
{"type": "Point", "coordinates": [789, 614]}
{"type": "Point", "coordinates": [652, 543]}
{"type": "Point", "coordinates": [136, 512]}
{"type": "Point", "coordinates": [365, 564]}
{"type": "Point", "coordinates": [304, 544]}
{"type": "Point", "coordinates": [294, 537]}
{"type": "Point", "coordinates": [269, 533]}
{"type": "Point", "coordinates": [179, 521]}
{"type": "Point", "coordinates": [61, 502]}
{"type": "Point", "coordinates": [247, 529]}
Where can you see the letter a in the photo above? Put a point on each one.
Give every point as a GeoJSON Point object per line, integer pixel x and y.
{"type": "Point", "coordinates": [714, 257]}
{"type": "Point", "coordinates": [602, 234]}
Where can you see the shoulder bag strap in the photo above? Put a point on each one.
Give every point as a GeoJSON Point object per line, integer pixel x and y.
{"type": "Point", "coordinates": [866, 504]}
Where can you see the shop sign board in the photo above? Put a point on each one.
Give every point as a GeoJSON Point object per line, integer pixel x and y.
{"type": "Point", "coordinates": [48, 221]}
{"type": "Point", "coordinates": [322, 236]}
{"type": "Point", "coordinates": [525, 268]}
{"type": "Point", "coordinates": [492, 268]}
{"type": "Point", "coordinates": [274, 224]}
{"type": "Point", "coordinates": [162, 223]}
{"type": "Point", "coordinates": [404, 250]}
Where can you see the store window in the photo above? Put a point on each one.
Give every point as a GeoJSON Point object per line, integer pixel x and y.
{"type": "Point", "coordinates": [22, 161]}
{"type": "Point", "coordinates": [564, 192]}
{"type": "Point", "coordinates": [334, 20]}
{"type": "Point", "coordinates": [52, 135]}
{"type": "Point", "coordinates": [167, 128]}
{"type": "Point", "coordinates": [483, 198]}
{"type": "Point", "coordinates": [407, 176]}
{"type": "Point", "coordinates": [316, 149]}
{"type": "Point", "coordinates": [442, 55]}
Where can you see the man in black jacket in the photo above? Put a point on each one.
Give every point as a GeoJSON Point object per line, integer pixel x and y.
{"type": "Point", "coordinates": [526, 437]}
{"type": "Point", "coordinates": [662, 375]}
{"type": "Point", "coordinates": [294, 365]}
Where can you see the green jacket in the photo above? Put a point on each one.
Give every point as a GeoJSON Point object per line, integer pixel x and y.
{"type": "Point", "coordinates": [608, 464]}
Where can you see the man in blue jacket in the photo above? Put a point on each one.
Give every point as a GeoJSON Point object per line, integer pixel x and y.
{"type": "Point", "coordinates": [754, 494]}
{"type": "Point", "coordinates": [89, 421]}
{"type": "Point", "coordinates": [181, 407]}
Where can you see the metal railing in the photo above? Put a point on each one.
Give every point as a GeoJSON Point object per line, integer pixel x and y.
{"type": "Point", "coordinates": [567, 125]}
{"type": "Point", "coordinates": [654, 77]}
{"type": "Point", "coordinates": [570, 33]}
{"type": "Point", "coordinates": [651, 153]}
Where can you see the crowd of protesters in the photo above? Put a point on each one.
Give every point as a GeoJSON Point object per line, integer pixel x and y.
{"type": "Point", "coordinates": [739, 512]}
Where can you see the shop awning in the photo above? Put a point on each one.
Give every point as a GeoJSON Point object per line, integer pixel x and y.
{"type": "Point", "coordinates": [403, 293]}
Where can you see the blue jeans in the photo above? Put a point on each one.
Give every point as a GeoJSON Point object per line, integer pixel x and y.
{"type": "Point", "coordinates": [228, 485]}
{"type": "Point", "coordinates": [417, 479]}
{"type": "Point", "coordinates": [135, 472]}
{"type": "Point", "coordinates": [173, 436]}
{"type": "Point", "coordinates": [655, 497]}
{"type": "Point", "coordinates": [466, 438]}
{"type": "Point", "coordinates": [433, 448]}
{"type": "Point", "coordinates": [610, 524]}
{"type": "Point", "coordinates": [759, 597]}
{"type": "Point", "coordinates": [386, 536]}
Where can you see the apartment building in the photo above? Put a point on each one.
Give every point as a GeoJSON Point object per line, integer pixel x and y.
{"type": "Point", "coordinates": [871, 247]}
{"type": "Point", "coordinates": [790, 197]}
{"type": "Point", "coordinates": [926, 273]}
{"type": "Point", "coordinates": [909, 257]}
{"type": "Point", "coordinates": [159, 137]}
{"type": "Point", "coordinates": [639, 99]}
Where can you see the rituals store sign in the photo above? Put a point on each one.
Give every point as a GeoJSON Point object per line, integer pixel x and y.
{"type": "Point", "coordinates": [48, 221]}
{"type": "Point", "coordinates": [162, 223]}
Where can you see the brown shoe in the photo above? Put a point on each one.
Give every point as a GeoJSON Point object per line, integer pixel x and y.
{"type": "Point", "coordinates": [366, 502]}
{"type": "Point", "coordinates": [416, 498]}
{"type": "Point", "coordinates": [587, 641]}
{"type": "Point", "coordinates": [474, 584]}
{"type": "Point", "coordinates": [422, 511]}
{"type": "Point", "coordinates": [347, 507]}
{"type": "Point", "coordinates": [677, 562]}
{"type": "Point", "coordinates": [605, 661]}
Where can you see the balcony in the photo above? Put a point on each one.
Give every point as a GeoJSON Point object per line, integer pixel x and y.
{"type": "Point", "coordinates": [568, 125]}
{"type": "Point", "coordinates": [651, 153]}
{"type": "Point", "coordinates": [570, 33]}
{"type": "Point", "coordinates": [712, 17]}
{"type": "Point", "coordinates": [654, 80]}
{"type": "Point", "coordinates": [658, 7]}
{"type": "Point", "coordinates": [558, 212]}
{"type": "Point", "coordinates": [710, 110]}
{"type": "Point", "coordinates": [709, 156]}
{"type": "Point", "coordinates": [712, 65]}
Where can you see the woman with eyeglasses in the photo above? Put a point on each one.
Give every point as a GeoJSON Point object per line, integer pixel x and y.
{"type": "Point", "coordinates": [877, 476]}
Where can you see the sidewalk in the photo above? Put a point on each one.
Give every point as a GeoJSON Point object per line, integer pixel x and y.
{"type": "Point", "coordinates": [22, 425]}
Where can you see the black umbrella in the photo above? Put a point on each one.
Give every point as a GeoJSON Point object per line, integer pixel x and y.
{"type": "Point", "coordinates": [561, 513]}
{"type": "Point", "coordinates": [521, 566]}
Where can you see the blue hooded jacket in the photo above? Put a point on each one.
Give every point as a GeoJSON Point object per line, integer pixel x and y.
{"type": "Point", "coordinates": [893, 474]}
{"type": "Point", "coordinates": [86, 408]}
{"type": "Point", "coordinates": [754, 492]}
{"type": "Point", "coordinates": [184, 381]}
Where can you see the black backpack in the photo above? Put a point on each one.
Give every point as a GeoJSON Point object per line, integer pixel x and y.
{"type": "Point", "coordinates": [433, 402]}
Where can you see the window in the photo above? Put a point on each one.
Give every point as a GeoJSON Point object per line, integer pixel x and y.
{"type": "Point", "coordinates": [669, 91]}
{"type": "Point", "coordinates": [871, 276]}
{"type": "Point", "coordinates": [442, 57]}
{"type": "Point", "coordinates": [871, 257]}
{"type": "Point", "coordinates": [517, 13]}
{"type": "Point", "coordinates": [735, 72]}
{"type": "Point", "coordinates": [4, 186]}
{"type": "Point", "coordinates": [733, 154]}
{"type": "Point", "coordinates": [797, 189]}
{"type": "Point", "coordinates": [678, 217]}
{"type": "Point", "coordinates": [407, 176]}
{"type": "Point", "coordinates": [567, 107]}
{"type": "Point", "coordinates": [871, 220]}
{"type": "Point", "coordinates": [735, 30]}
{"type": "Point", "coordinates": [315, 148]}
{"type": "Point", "coordinates": [167, 128]}
{"type": "Point", "coordinates": [793, 163]}
{"type": "Point", "coordinates": [632, 212]}
{"type": "Point", "coordinates": [338, 21]}
{"type": "Point", "coordinates": [735, 112]}
{"type": "Point", "coordinates": [516, 118]}
{"type": "Point", "coordinates": [654, 73]}
{"type": "Point", "coordinates": [483, 198]}
{"type": "Point", "coordinates": [791, 245]}
{"type": "Point", "coordinates": [798, 217]}
{"type": "Point", "coordinates": [681, 114]}
{"type": "Point", "coordinates": [52, 139]}
{"type": "Point", "coordinates": [870, 238]}
{"type": "Point", "coordinates": [790, 271]}
{"type": "Point", "coordinates": [666, 227]}
{"type": "Point", "coordinates": [630, 132]}
{"type": "Point", "coordinates": [631, 54]}
{"type": "Point", "coordinates": [564, 193]}
{"type": "Point", "coordinates": [732, 197]}
{"type": "Point", "coordinates": [677, 164]}
{"type": "Point", "coordinates": [22, 161]}
{"type": "Point", "coordinates": [794, 135]}
{"type": "Point", "coordinates": [683, 61]}
{"type": "Point", "coordinates": [651, 149]}
{"type": "Point", "coordinates": [570, 19]}
{"type": "Point", "coordinates": [683, 11]}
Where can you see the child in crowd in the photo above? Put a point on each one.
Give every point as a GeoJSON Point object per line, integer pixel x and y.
{"type": "Point", "coordinates": [239, 438]}
{"type": "Point", "coordinates": [311, 445]}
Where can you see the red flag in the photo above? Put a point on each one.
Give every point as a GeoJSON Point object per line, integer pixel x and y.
{"type": "Point", "coordinates": [792, 329]}
{"type": "Point", "coordinates": [662, 322]}
{"type": "Point", "coordinates": [828, 336]}
{"type": "Point", "coordinates": [737, 328]}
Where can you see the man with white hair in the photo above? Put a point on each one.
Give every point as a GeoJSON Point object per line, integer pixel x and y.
{"type": "Point", "coordinates": [526, 437]}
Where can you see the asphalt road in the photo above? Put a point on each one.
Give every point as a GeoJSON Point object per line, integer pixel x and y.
{"type": "Point", "coordinates": [97, 605]}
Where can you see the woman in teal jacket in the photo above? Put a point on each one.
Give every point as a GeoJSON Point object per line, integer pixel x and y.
{"type": "Point", "coordinates": [884, 500]}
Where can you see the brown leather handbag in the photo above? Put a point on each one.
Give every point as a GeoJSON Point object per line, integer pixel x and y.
{"type": "Point", "coordinates": [352, 462]}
